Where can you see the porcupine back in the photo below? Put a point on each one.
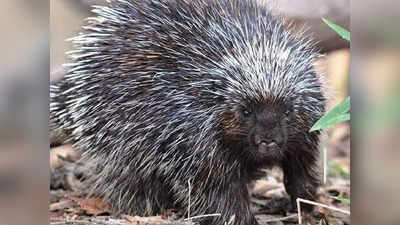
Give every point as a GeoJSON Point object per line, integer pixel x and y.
{"type": "Point", "coordinates": [149, 84]}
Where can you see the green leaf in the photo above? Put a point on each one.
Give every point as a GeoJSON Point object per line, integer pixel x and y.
{"type": "Point", "coordinates": [342, 200]}
{"type": "Point", "coordinates": [330, 121]}
{"type": "Point", "coordinates": [335, 116]}
{"type": "Point", "coordinates": [345, 34]}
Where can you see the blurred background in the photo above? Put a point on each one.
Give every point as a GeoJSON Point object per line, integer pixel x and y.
{"type": "Point", "coordinates": [33, 49]}
{"type": "Point", "coordinates": [375, 92]}
{"type": "Point", "coordinates": [24, 77]}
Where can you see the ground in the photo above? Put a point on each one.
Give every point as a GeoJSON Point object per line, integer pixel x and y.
{"type": "Point", "coordinates": [269, 199]}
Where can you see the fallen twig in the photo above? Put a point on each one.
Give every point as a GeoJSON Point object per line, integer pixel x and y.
{"type": "Point", "coordinates": [298, 200]}
{"type": "Point", "coordinates": [202, 216]}
{"type": "Point", "coordinates": [281, 218]}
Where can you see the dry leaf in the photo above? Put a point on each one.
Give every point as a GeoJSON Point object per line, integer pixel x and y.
{"type": "Point", "coordinates": [62, 152]}
{"type": "Point", "coordinates": [93, 206]}
{"type": "Point", "coordinates": [135, 220]}
{"type": "Point", "coordinates": [128, 218]}
{"type": "Point", "coordinates": [263, 186]}
{"type": "Point", "coordinates": [61, 205]}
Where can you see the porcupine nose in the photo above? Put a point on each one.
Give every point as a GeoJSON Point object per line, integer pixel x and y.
{"type": "Point", "coordinates": [264, 145]}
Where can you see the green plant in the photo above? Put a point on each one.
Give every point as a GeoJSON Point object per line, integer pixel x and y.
{"type": "Point", "coordinates": [338, 114]}
{"type": "Point", "coordinates": [342, 200]}
{"type": "Point", "coordinates": [341, 112]}
{"type": "Point", "coordinates": [345, 34]}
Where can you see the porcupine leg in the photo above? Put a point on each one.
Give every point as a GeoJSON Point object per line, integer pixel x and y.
{"type": "Point", "coordinates": [228, 198]}
{"type": "Point", "coordinates": [300, 178]}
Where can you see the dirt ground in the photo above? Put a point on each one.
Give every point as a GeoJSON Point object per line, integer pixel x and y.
{"type": "Point", "coordinates": [269, 199]}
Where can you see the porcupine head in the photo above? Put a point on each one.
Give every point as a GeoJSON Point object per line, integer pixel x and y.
{"type": "Point", "coordinates": [202, 90]}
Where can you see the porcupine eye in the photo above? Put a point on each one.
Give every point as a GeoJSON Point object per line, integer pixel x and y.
{"type": "Point", "coordinates": [246, 113]}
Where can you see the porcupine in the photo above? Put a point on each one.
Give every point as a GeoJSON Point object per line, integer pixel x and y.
{"type": "Point", "coordinates": [167, 94]}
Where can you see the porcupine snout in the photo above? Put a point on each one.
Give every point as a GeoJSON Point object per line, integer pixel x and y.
{"type": "Point", "coordinates": [268, 140]}
{"type": "Point", "coordinates": [268, 131]}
